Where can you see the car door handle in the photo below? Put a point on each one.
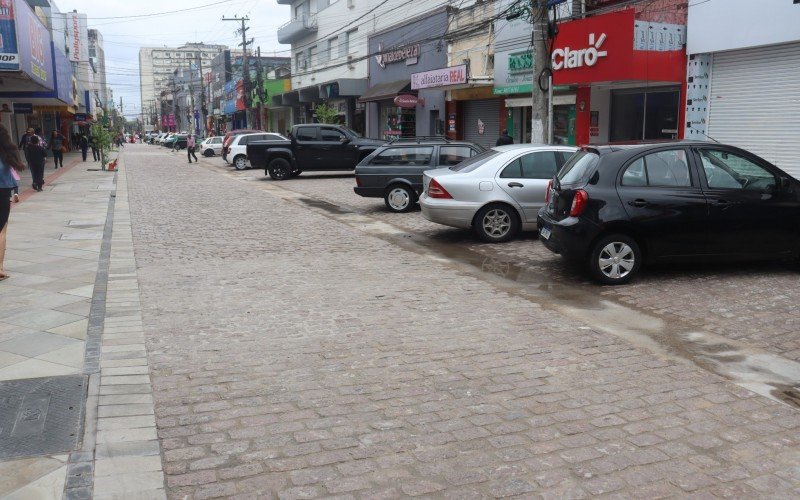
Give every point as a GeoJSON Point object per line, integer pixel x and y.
{"type": "Point", "coordinates": [515, 185]}
{"type": "Point", "coordinates": [723, 203]}
{"type": "Point", "coordinates": [638, 203]}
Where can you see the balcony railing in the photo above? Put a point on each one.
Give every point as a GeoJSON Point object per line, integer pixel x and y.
{"type": "Point", "coordinates": [297, 28]}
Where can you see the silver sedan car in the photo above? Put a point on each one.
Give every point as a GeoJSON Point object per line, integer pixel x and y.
{"type": "Point", "coordinates": [496, 193]}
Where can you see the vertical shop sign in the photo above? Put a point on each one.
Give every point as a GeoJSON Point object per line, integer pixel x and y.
{"type": "Point", "coordinates": [33, 42]}
{"type": "Point", "coordinates": [9, 55]}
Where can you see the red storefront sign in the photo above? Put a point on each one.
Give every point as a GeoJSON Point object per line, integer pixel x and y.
{"type": "Point", "coordinates": [601, 49]}
{"type": "Point", "coordinates": [406, 101]}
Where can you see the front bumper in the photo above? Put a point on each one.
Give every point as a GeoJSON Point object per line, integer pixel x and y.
{"type": "Point", "coordinates": [448, 212]}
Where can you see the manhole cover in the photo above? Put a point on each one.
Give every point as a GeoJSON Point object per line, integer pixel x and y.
{"type": "Point", "coordinates": [41, 416]}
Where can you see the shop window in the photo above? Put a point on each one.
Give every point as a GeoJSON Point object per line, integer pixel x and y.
{"type": "Point", "coordinates": [404, 156]}
{"type": "Point", "coordinates": [453, 155]}
{"type": "Point", "coordinates": [398, 122]}
{"type": "Point", "coordinates": [644, 114]}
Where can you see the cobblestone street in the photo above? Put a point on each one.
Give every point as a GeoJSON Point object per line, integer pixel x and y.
{"type": "Point", "coordinates": [297, 351]}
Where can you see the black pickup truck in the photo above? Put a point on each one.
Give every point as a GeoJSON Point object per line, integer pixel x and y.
{"type": "Point", "coordinates": [311, 147]}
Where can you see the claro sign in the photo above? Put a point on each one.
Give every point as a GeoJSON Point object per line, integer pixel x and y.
{"type": "Point", "coordinates": [570, 58]}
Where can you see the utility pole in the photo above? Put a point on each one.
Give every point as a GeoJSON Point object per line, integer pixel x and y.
{"type": "Point", "coordinates": [121, 110]}
{"type": "Point", "coordinates": [539, 114]}
{"type": "Point", "coordinates": [260, 91]}
{"type": "Point", "coordinates": [203, 108]}
{"type": "Point", "coordinates": [245, 66]}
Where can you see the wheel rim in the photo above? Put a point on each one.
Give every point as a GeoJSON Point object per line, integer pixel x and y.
{"type": "Point", "coordinates": [241, 164]}
{"type": "Point", "coordinates": [281, 172]}
{"type": "Point", "coordinates": [497, 223]}
{"type": "Point", "coordinates": [616, 260]}
{"type": "Point", "coordinates": [399, 199]}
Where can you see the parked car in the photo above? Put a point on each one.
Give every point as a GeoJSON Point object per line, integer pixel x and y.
{"type": "Point", "coordinates": [226, 141]}
{"type": "Point", "coordinates": [394, 171]}
{"type": "Point", "coordinates": [172, 139]}
{"type": "Point", "coordinates": [237, 149]}
{"type": "Point", "coordinates": [496, 193]}
{"type": "Point", "coordinates": [211, 146]}
{"type": "Point", "coordinates": [313, 146]}
{"type": "Point", "coordinates": [618, 207]}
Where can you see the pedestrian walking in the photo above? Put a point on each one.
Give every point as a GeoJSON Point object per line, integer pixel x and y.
{"type": "Point", "coordinates": [57, 147]}
{"type": "Point", "coordinates": [95, 148]}
{"type": "Point", "coordinates": [190, 144]}
{"type": "Point", "coordinates": [83, 143]}
{"type": "Point", "coordinates": [10, 162]}
{"type": "Point", "coordinates": [37, 155]}
{"type": "Point", "coordinates": [504, 139]}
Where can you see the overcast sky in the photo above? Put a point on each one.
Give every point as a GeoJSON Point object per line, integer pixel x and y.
{"type": "Point", "coordinates": [157, 27]}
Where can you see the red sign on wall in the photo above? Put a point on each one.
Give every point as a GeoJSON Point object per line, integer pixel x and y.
{"type": "Point", "coordinates": [601, 49]}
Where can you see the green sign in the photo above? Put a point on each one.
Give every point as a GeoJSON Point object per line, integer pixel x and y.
{"type": "Point", "coordinates": [521, 61]}
{"type": "Point", "coordinates": [513, 89]}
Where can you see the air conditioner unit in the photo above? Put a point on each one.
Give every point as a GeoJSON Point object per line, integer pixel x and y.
{"type": "Point", "coordinates": [351, 4]}
{"type": "Point", "coordinates": [351, 63]}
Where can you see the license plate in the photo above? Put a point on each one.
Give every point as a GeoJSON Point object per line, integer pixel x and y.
{"type": "Point", "coordinates": [544, 233]}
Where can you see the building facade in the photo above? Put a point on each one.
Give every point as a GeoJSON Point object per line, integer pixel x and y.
{"type": "Point", "coordinates": [743, 90]}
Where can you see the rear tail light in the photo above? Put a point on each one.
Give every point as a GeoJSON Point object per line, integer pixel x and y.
{"type": "Point", "coordinates": [358, 181]}
{"type": "Point", "coordinates": [579, 203]}
{"type": "Point", "coordinates": [547, 193]}
{"type": "Point", "coordinates": [435, 190]}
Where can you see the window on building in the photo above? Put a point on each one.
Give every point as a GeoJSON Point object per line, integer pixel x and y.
{"type": "Point", "coordinates": [312, 54]}
{"type": "Point", "coordinates": [332, 43]}
{"type": "Point", "coordinates": [344, 43]}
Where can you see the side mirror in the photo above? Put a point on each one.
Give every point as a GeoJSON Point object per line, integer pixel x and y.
{"type": "Point", "coordinates": [784, 183]}
{"type": "Point", "coordinates": [344, 139]}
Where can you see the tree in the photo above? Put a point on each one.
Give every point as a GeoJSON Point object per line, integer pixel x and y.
{"type": "Point", "coordinates": [102, 140]}
{"type": "Point", "coordinates": [326, 114]}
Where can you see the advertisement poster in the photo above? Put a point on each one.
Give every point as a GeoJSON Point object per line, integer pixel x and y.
{"type": "Point", "coordinates": [9, 56]}
{"type": "Point", "coordinates": [35, 54]}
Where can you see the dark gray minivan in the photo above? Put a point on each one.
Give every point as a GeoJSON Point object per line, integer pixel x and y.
{"type": "Point", "coordinates": [394, 171]}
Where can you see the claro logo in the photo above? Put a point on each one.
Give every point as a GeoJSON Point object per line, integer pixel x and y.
{"type": "Point", "coordinates": [568, 58]}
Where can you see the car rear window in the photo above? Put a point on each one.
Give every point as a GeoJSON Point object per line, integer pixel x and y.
{"type": "Point", "coordinates": [453, 155]}
{"type": "Point", "coordinates": [475, 162]}
{"type": "Point", "coordinates": [578, 168]}
{"type": "Point", "coordinates": [416, 156]}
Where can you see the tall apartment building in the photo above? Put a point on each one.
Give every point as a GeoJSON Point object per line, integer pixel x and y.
{"type": "Point", "coordinates": [97, 59]}
{"type": "Point", "coordinates": [158, 64]}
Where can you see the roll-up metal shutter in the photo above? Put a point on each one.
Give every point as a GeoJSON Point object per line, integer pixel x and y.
{"type": "Point", "coordinates": [488, 112]}
{"type": "Point", "coordinates": [755, 102]}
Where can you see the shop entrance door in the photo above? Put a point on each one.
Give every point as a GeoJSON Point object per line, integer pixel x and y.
{"type": "Point", "coordinates": [639, 114]}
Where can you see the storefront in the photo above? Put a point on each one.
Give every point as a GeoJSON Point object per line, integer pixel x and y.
{"type": "Point", "coordinates": [627, 74]}
{"type": "Point", "coordinates": [743, 90]}
{"type": "Point", "coordinates": [393, 108]}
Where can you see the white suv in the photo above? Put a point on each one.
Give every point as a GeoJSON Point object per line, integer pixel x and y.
{"type": "Point", "coordinates": [237, 151]}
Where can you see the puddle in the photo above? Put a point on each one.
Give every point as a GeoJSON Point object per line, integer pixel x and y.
{"type": "Point", "coordinates": [671, 338]}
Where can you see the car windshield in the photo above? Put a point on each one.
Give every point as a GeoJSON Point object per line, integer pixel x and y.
{"type": "Point", "coordinates": [350, 131]}
{"type": "Point", "coordinates": [474, 162]}
{"type": "Point", "coordinates": [578, 168]}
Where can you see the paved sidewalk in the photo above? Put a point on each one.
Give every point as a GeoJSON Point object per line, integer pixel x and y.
{"type": "Point", "coordinates": [72, 286]}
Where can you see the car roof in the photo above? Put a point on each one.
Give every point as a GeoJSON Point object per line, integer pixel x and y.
{"type": "Point", "coordinates": [531, 147]}
{"type": "Point", "coordinates": [604, 149]}
{"type": "Point", "coordinates": [427, 142]}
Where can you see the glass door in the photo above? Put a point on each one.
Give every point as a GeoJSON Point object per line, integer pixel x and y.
{"type": "Point", "coordinates": [639, 114]}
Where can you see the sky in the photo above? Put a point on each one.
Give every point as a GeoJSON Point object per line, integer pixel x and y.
{"type": "Point", "coordinates": [159, 25]}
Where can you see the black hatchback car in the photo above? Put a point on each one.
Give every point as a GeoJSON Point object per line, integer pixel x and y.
{"type": "Point", "coordinates": [394, 171]}
{"type": "Point", "coordinates": [617, 207]}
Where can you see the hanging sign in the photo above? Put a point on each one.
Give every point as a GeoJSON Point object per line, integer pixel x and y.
{"type": "Point", "coordinates": [406, 101]}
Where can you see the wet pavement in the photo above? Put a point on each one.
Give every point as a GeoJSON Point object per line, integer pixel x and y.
{"type": "Point", "coordinates": [749, 333]}
{"type": "Point", "coordinates": [303, 343]}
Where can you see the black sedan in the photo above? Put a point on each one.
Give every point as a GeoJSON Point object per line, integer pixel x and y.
{"type": "Point", "coordinates": [619, 206]}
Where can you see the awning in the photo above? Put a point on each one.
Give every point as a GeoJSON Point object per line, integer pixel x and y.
{"type": "Point", "coordinates": [385, 91]}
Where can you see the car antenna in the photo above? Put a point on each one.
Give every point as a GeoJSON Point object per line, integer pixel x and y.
{"type": "Point", "coordinates": [710, 137]}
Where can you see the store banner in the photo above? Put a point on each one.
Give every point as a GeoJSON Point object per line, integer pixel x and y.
{"type": "Point", "coordinates": [33, 41]}
{"type": "Point", "coordinates": [453, 75]}
{"type": "Point", "coordinates": [9, 55]}
{"type": "Point", "coordinates": [240, 104]}
{"type": "Point", "coordinates": [63, 71]}
{"type": "Point", "coordinates": [77, 37]}
{"type": "Point", "coordinates": [513, 61]}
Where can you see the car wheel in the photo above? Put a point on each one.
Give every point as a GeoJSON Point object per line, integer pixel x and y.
{"type": "Point", "coordinates": [399, 198]}
{"type": "Point", "coordinates": [207, 153]}
{"type": "Point", "coordinates": [280, 169]}
{"type": "Point", "coordinates": [296, 172]}
{"type": "Point", "coordinates": [615, 259]}
{"type": "Point", "coordinates": [240, 162]}
{"type": "Point", "coordinates": [496, 223]}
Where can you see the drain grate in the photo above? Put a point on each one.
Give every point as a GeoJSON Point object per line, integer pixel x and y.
{"type": "Point", "coordinates": [41, 416]}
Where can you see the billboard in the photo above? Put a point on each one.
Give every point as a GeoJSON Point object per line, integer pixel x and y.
{"type": "Point", "coordinates": [77, 37]}
{"type": "Point", "coordinates": [9, 55]}
{"type": "Point", "coordinates": [33, 42]}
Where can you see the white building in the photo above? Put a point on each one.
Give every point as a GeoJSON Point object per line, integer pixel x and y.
{"type": "Point", "coordinates": [744, 77]}
{"type": "Point", "coordinates": [157, 66]}
{"type": "Point", "coordinates": [330, 52]}
{"type": "Point", "coordinates": [97, 59]}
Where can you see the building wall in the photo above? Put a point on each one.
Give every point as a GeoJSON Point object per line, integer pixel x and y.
{"type": "Point", "coordinates": [376, 16]}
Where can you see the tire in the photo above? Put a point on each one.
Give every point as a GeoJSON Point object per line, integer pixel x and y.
{"type": "Point", "coordinates": [280, 169]}
{"type": "Point", "coordinates": [615, 259]}
{"type": "Point", "coordinates": [399, 198]}
{"type": "Point", "coordinates": [496, 223]}
{"type": "Point", "coordinates": [208, 153]}
{"type": "Point", "coordinates": [240, 162]}
{"type": "Point", "coordinates": [296, 172]}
